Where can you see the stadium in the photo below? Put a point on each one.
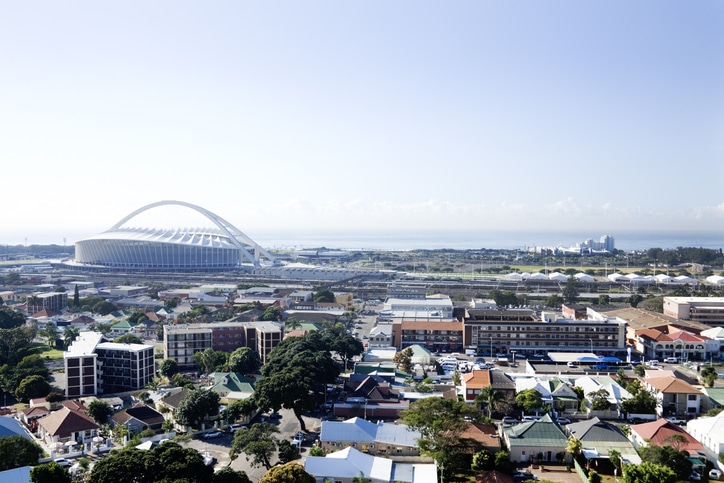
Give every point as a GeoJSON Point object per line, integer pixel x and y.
{"type": "Point", "coordinates": [219, 248]}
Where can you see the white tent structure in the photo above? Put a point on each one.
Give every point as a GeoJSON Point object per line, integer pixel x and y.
{"type": "Point", "coordinates": [584, 277]}
{"type": "Point", "coordinates": [683, 279]}
{"type": "Point", "coordinates": [525, 275]}
{"type": "Point", "coordinates": [615, 277]}
{"type": "Point", "coordinates": [662, 278]}
{"type": "Point", "coordinates": [514, 276]}
{"type": "Point", "coordinates": [538, 276]}
{"type": "Point", "coordinates": [715, 280]}
{"type": "Point", "coordinates": [558, 277]}
{"type": "Point", "coordinates": [635, 278]}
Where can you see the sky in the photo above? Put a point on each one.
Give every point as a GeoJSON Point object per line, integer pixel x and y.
{"type": "Point", "coordinates": [298, 117]}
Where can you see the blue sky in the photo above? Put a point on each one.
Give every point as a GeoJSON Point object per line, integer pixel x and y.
{"type": "Point", "coordinates": [293, 116]}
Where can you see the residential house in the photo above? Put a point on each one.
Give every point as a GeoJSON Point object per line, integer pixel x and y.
{"type": "Point", "coordinates": [663, 433]}
{"type": "Point", "coordinates": [9, 426]}
{"type": "Point", "coordinates": [473, 383]}
{"type": "Point", "coordinates": [346, 465]}
{"type": "Point", "coordinates": [383, 439]}
{"type": "Point", "coordinates": [599, 438]}
{"type": "Point", "coordinates": [231, 386]}
{"type": "Point", "coordinates": [66, 425]}
{"type": "Point", "coordinates": [535, 441]}
{"type": "Point", "coordinates": [138, 418]}
{"type": "Point", "coordinates": [615, 395]}
{"type": "Point", "coordinates": [709, 431]}
{"type": "Point", "coordinates": [380, 336]}
{"type": "Point", "coordinates": [372, 397]}
{"type": "Point", "coordinates": [674, 396]}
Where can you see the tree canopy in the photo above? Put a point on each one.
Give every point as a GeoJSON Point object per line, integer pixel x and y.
{"type": "Point", "coordinates": [441, 422]}
{"type": "Point", "coordinates": [50, 472]}
{"type": "Point", "coordinates": [529, 400]}
{"type": "Point", "coordinates": [17, 451]}
{"type": "Point", "coordinates": [10, 319]}
{"type": "Point", "coordinates": [295, 369]}
{"type": "Point", "coordinates": [287, 473]}
{"type": "Point", "coordinates": [648, 472]}
{"type": "Point", "coordinates": [99, 411]}
{"type": "Point", "coordinates": [244, 360]}
{"type": "Point", "coordinates": [197, 405]}
{"type": "Point", "coordinates": [257, 443]}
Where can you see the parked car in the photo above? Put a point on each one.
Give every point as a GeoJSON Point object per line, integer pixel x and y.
{"type": "Point", "coordinates": [714, 474]}
{"type": "Point", "coordinates": [601, 367]}
{"type": "Point", "coordinates": [509, 420]}
{"type": "Point", "coordinates": [652, 362]}
{"type": "Point", "coordinates": [235, 427]}
{"type": "Point", "coordinates": [563, 421]}
{"type": "Point", "coordinates": [275, 415]}
{"type": "Point", "coordinates": [676, 420]}
{"type": "Point", "coordinates": [64, 462]}
{"type": "Point", "coordinates": [695, 476]}
{"type": "Point", "coordinates": [211, 435]}
{"type": "Point", "coordinates": [523, 476]}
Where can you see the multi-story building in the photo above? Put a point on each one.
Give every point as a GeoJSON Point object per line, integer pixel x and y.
{"type": "Point", "coordinates": [94, 367]}
{"type": "Point", "coordinates": [55, 301]}
{"type": "Point", "coordinates": [182, 341]}
{"type": "Point", "coordinates": [668, 341]}
{"type": "Point", "coordinates": [433, 335]}
{"type": "Point", "coordinates": [706, 310]}
{"type": "Point", "coordinates": [521, 331]}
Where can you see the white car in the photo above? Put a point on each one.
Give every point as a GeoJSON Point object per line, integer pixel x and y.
{"type": "Point", "coordinates": [235, 427]}
{"type": "Point", "coordinates": [675, 420]}
{"type": "Point", "coordinates": [714, 474]}
{"type": "Point", "coordinates": [211, 434]}
{"type": "Point", "coordinates": [64, 462]}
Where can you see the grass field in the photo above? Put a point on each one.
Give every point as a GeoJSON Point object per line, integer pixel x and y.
{"type": "Point", "coordinates": [46, 352]}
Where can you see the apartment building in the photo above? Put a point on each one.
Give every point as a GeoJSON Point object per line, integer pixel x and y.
{"type": "Point", "coordinates": [182, 341]}
{"type": "Point", "coordinates": [94, 367]}
{"type": "Point", "coordinates": [433, 335]}
{"type": "Point", "coordinates": [521, 331]}
{"type": "Point", "coordinates": [705, 310]}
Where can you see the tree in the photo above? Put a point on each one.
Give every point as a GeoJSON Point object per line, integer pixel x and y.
{"type": "Point", "coordinates": [273, 313]}
{"type": "Point", "coordinates": [709, 376]}
{"type": "Point", "coordinates": [197, 406]}
{"type": "Point", "coordinates": [50, 472]}
{"type": "Point", "coordinates": [286, 451]}
{"type": "Point", "coordinates": [615, 457]}
{"type": "Point", "coordinates": [643, 402]}
{"type": "Point", "coordinates": [169, 368]}
{"type": "Point", "coordinates": [604, 299]}
{"type": "Point", "coordinates": [502, 462]}
{"type": "Point", "coordinates": [599, 400]}
{"type": "Point", "coordinates": [570, 291]}
{"type": "Point", "coordinates": [293, 372]}
{"type": "Point", "coordinates": [104, 308]}
{"type": "Point", "coordinates": [10, 319]}
{"type": "Point", "coordinates": [257, 442]}
{"type": "Point", "coordinates": [553, 301]}
{"type": "Point", "coordinates": [647, 472]}
{"type": "Point", "coordinates": [99, 411]}
{"type": "Point", "coordinates": [244, 360]}
{"type": "Point", "coordinates": [32, 387]}
{"type": "Point", "coordinates": [403, 359]}
{"type": "Point", "coordinates": [34, 304]}
{"type": "Point", "coordinates": [441, 422]}
{"type": "Point", "coordinates": [17, 451]}
{"type": "Point", "coordinates": [574, 446]}
{"type": "Point", "coordinates": [69, 335]}
{"type": "Point", "coordinates": [361, 478]}
{"type": "Point", "coordinates": [228, 475]}
{"type": "Point", "coordinates": [76, 298]}
{"type": "Point", "coordinates": [492, 400]}
{"type": "Point", "coordinates": [241, 408]}
{"type": "Point", "coordinates": [209, 360]}
{"type": "Point", "coordinates": [287, 473]}
{"type": "Point", "coordinates": [529, 400]}
{"type": "Point", "coordinates": [49, 332]}
{"type": "Point", "coordinates": [324, 296]}
{"type": "Point", "coordinates": [483, 461]}
{"type": "Point", "coordinates": [128, 338]}
{"type": "Point", "coordinates": [670, 457]}
{"type": "Point", "coordinates": [15, 343]}
{"type": "Point", "coordinates": [346, 345]}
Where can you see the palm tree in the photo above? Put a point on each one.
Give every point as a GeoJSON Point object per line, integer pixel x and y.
{"type": "Point", "coordinates": [33, 302]}
{"type": "Point", "coordinates": [292, 324]}
{"type": "Point", "coordinates": [69, 335]}
{"type": "Point", "coordinates": [493, 400]}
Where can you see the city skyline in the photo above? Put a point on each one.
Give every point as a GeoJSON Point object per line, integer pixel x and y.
{"type": "Point", "coordinates": [377, 117]}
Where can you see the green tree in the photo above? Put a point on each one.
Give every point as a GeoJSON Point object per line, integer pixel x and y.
{"type": "Point", "coordinates": [574, 446]}
{"type": "Point", "coordinates": [273, 313]}
{"type": "Point", "coordinates": [441, 422]}
{"type": "Point", "coordinates": [32, 387]}
{"type": "Point", "coordinates": [604, 299]}
{"type": "Point", "coordinates": [647, 472]}
{"type": "Point", "coordinates": [228, 475]}
{"type": "Point", "coordinates": [599, 400]}
{"type": "Point", "coordinates": [241, 409]}
{"type": "Point", "coordinates": [643, 402]}
{"type": "Point", "coordinates": [483, 461]}
{"type": "Point", "coordinates": [492, 400]}
{"type": "Point", "coordinates": [286, 451]}
{"type": "Point", "coordinates": [50, 472]}
{"type": "Point", "coordinates": [675, 459]}
{"type": "Point", "coordinates": [258, 443]}
{"type": "Point", "coordinates": [324, 296]}
{"type": "Point", "coordinates": [294, 370]}
{"type": "Point", "coordinates": [15, 344]}
{"type": "Point", "coordinates": [197, 406]}
{"type": "Point", "coordinates": [210, 360]}
{"type": "Point", "coordinates": [346, 345]}
{"type": "Point", "coordinates": [709, 376]}
{"type": "Point", "coordinates": [169, 368]}
{"type": "Point", "coordinates": [99, 411]}
{"type": "Point", "coordinates": [50, 333]}
{"type": "Point", "coordinates": [502, 462]}
{"type": "Point", "coordinates": [128, 338]}
{"type": "Point", "coordinates": [640, 370]}
{"type": "Point", "coordinates": [287, 473]}
{"type": "Point", "coordinates": [529, 400]}
{"type": "Point", "coordinates": [69, 335]}
{"type": "Point", "coordinates": [104, 308]}
{"type": "Point", "coordinates": [10, 319]}
{"type": "Point", "coordinates": [553, 301]}
{"type": "Point", "coordinates": [17, 451]}
{"type": "Point", "coordinates": [244, 360]}
{"type": "Point", "coordinates": [570, 291]}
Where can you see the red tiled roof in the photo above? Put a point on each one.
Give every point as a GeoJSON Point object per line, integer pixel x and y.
{"type": "Point", "coordinates": [659, 433]}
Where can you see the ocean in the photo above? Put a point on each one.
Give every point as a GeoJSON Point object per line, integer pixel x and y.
{"type": "Point", "coordinates": [401, 241]}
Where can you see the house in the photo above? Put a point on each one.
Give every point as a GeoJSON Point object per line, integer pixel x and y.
{"type": "Point", "coordinates": [66, 425]}
{"type": "Point", "coordinates": [599, 438]}
{"type": "Point", "coordinates": [371, 397]}
{"type": "Point", "coordinates": [346, 465]}
{"type": "Point", "coordinates": [474, 382]}
{"type": "Point", "coordinates": [10, 426]}
{"type": "Point", "coordinates": [231, 386]}
{"type": "Point", "coordinates": [380, 336]}
{"type": "Point", "coordinates": [383, 439]}
{"type": "Point", "coordinates": [535, 441]}
{"type": "Point", "coordinates": [674, 396]}
{"type": "Point", "coordinates": [663, 433]}
{"type": "Point", "coordinates": [138, 418]}
{"type": "Point", "coordinates": [615, 395]}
